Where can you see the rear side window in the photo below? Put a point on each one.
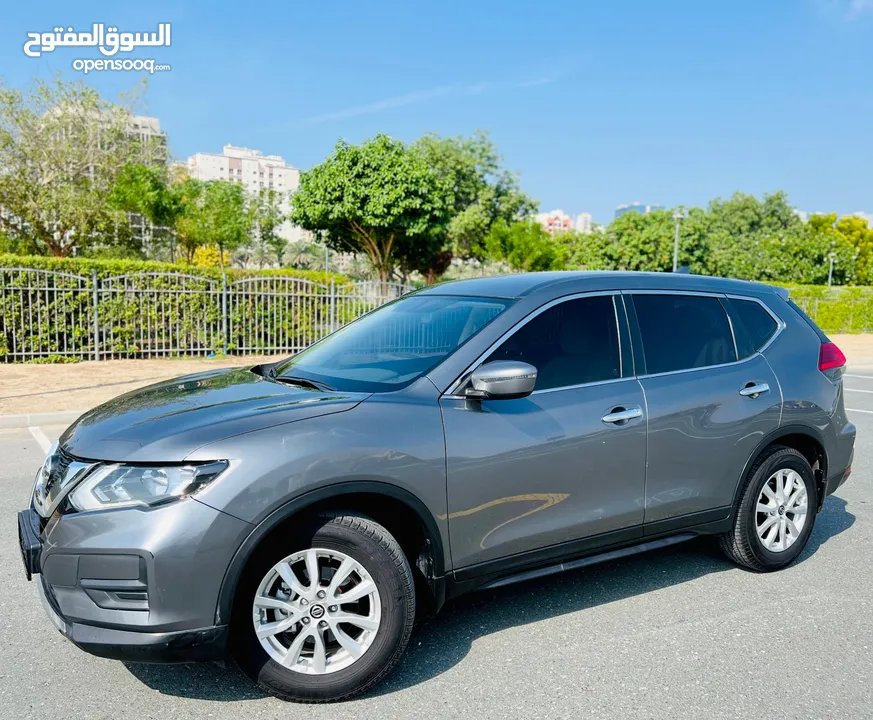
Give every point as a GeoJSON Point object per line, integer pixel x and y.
{"type": "Point", "coordinates": [572, 343]}
{"type": "Point", "coordinates": [681, 332]}
{"type": "Point", "coordinates": [755, 320]}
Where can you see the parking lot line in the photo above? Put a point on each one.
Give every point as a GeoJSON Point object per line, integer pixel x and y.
{"type": "Point", "coordinates": [40, 437]}
{"type": "Point", "coordinates": [857, 390]}
{"type": "Point", "coordinates": [869, 412]}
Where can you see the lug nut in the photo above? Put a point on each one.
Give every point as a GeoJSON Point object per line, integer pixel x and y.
{"type": "Point", "coordinates": [332, 608]}
{"type": "Point", "coordinates": [322, 624]}
{"type": "Point", "coordinates": [322, 594]}
{"type": "Point", "coordinates": [306, 621]}
{"type": "Point", "coordinates": [304, 601]}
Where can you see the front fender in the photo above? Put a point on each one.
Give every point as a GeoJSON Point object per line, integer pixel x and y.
{"type": "Point", "coordinates": [300, 504]}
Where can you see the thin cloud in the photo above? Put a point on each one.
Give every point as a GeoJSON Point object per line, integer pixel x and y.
{"type": "Point", "coordinates": [537, 82]}
{"type": "Point", "coordinates": [858, 7]}
{"type": "Point", "coordinates": [419, 96]}
{"type": "Point", "coordinates": [847, 9]}
{"type": "Point", "coordinates": [476, 89]}
{"type": "Point", "coordinates": [412, 98]}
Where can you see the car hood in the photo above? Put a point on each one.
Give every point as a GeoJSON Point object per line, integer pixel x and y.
{"type": "Point", "coordinates": [168, 421]}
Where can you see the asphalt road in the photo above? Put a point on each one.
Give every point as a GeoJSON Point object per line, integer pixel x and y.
{"type": "Point", "coordinates": [679, 633]}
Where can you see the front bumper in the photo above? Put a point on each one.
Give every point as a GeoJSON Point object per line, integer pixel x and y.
{"type": "Point", "coordinates": [181, 646]}
{"type": "Point", "coordinates": [134, 584]}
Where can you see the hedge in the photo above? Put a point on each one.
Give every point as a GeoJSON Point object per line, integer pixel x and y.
{"type": "Point", "coordinates": [838, 309]}
{"type": "Point", "coordinates": [109, 268]}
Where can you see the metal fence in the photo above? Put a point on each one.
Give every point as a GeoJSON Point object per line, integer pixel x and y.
{"type": "Point", "coordinates": [44, 313]}
{"type": "Point", "coordinates": [839, 314]}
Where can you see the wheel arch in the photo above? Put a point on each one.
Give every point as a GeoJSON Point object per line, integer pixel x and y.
{"type": "Point", "coordinates": [807, 440]}
{"type": "Point", "coordinates": [384, 502]}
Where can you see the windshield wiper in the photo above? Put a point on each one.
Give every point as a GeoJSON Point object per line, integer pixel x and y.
{"type": "Point", "coordinates": [303, 382]}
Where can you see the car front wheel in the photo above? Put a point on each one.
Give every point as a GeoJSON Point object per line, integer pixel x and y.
{"type": "Point", "coordinates": [776, 513]}
{"type": "Point", "coordinates": [326, 618]}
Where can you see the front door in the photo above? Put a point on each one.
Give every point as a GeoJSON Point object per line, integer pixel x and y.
{"type": "Point", "coordinates": [556, 466]}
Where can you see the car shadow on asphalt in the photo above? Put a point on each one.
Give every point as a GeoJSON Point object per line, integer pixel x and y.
{"type": "Point", "coordinates": [442, 642]}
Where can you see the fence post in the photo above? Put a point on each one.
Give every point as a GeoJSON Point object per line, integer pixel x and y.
{"type": "Point", "coordinates": [332, 305]}
{"type": "Point", "coordinates": [224, 331]}
{"type": "Point", "coordinates": [96, 302]}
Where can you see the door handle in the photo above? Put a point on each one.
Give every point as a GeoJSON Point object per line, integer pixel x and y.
{"type": "Point", "coordinates": [619, 415]}
{"type": "Point", "coordinates": [752, 390]}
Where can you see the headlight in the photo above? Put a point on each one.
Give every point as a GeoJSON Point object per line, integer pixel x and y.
{"type": "Point", "coordinates": [126, 485]}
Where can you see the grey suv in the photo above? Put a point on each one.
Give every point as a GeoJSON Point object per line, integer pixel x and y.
{"type": "Point", "coordinates": [302, 514]}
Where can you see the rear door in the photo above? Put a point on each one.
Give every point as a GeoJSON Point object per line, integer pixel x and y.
{"type": "Point", "coordinates": [708, 405]}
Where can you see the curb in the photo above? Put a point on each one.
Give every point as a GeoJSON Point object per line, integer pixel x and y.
{"type": "Point", "coordinates": [64, 417]}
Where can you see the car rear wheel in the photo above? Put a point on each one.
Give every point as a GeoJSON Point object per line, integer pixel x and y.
{"type": "Point", "coordinates": [326, 617]}
{"type": "Point", "coordinates": [776, 513]}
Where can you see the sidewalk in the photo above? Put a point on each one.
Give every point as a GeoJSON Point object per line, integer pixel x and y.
{"type": "Point", "coordinates": [27, 390]}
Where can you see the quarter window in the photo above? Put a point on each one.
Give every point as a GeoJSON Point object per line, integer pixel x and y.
{"type": "Point", "coordinates": [681, 332]}
{"type": "Point", "coordinates": [758, 323]}
{"type": "Point", "coordinates": [572, 343]}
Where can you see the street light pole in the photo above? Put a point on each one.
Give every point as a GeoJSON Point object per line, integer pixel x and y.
{"type": "Point", "coordinates": [678, 217]}
{"type": "Point", "coordinates": [831, 257]}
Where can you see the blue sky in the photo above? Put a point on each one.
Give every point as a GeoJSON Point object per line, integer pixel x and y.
{"type": "Point", "coordinates": [595, 103]}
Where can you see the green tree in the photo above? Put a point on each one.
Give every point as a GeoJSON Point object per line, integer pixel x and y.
{"type": "Point", "coordinates": [215, 212]}
{"type": "Point", "coordinates": [643, 242]}
{"type": "Point", "coordinates": [480, 190]}
{"type": "Point", "coordinates": [860, 237]}
{"type": "Point", "coordinates": [525, 246]}
{"type": "Point", "coordinates": [147, 190]}
{"type": "Point", "coordinates": [379, 198]}
{"type": "Point", "coordinates": [62, 147]}
{"type": "Point", "coordinates": [304, 256]}
{"type": "Point", "coordinates": [268, 218]}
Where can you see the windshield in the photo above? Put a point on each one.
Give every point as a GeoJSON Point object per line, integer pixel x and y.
{"type": "Point", "coordinates": [394, 345]}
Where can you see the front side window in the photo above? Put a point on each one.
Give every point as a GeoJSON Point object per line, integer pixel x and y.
{"type": "Point", "coordinates": [394, 345]}
{"type": "Point", "coordinates": [572, 343]}
{"type": "Point", "coordinates": [681, 332]}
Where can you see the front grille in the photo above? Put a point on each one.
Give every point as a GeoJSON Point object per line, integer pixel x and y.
{"type": "Point", "coordinates": [59, 474]}
{"type": "Point", "coordinates": [59, 466]}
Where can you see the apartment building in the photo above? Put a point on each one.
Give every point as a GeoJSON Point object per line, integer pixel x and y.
{"type": "Point", "coordinates": [255, 172]}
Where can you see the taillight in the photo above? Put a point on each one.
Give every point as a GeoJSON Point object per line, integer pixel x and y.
{"type": "Point", "coordinates": [830, 357]}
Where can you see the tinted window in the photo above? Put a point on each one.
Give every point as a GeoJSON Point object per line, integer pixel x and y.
{"type": "Point", "coordinates": [683, 331]}
{"type": "Point", "coordinates": [396, 344]}
{"type": "Point", "coordinates": [758, 323]}
{"type": "Point", "coordinates": [572, 343]}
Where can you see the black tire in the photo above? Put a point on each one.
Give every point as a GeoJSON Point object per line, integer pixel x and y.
{"type": "Point", "coordinates": [742, 544]}
{"type": "Point", "coordinates": [370, 544]}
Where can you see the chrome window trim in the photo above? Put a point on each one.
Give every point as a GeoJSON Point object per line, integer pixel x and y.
{"type": "Point", "coordinates": [780, 327]}
{"type": "Point", "coordinates": [733, 334]}
{"type": "Point", "coordinates": [630, 378]}
{"type": "Point", "coordinates": [618, 335]}
{"type": "Point", "coordinates": [465, 376]}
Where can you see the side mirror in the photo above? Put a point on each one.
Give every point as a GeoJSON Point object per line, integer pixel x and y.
{"type": "Point", "coordinates": [502, 380]}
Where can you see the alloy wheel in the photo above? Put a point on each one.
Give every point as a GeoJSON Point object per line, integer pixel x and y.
{"type": "Point", "coordinates": [781, 511]}
{"type": "Point", "coordinates": [316, 611]}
